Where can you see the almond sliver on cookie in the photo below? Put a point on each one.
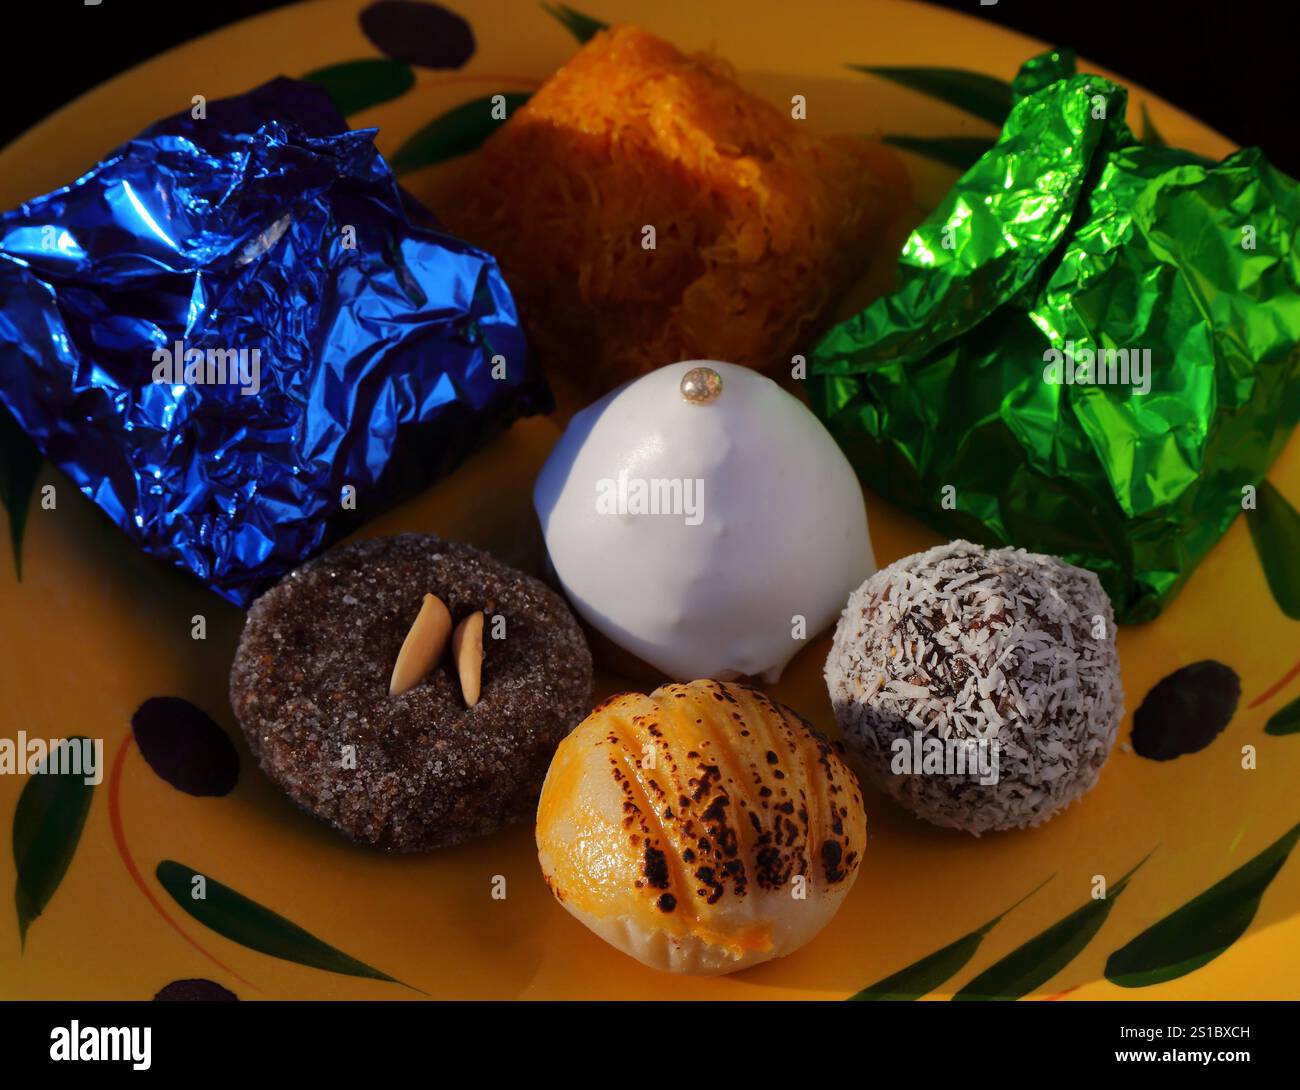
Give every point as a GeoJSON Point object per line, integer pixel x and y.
{"type": "Point", "coordinates": [423, 645]}
{"type": "Point", "coordinates": [467, 650]}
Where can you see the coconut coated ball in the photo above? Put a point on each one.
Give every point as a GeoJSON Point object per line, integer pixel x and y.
{"type": "Point", "coordinates": [980, 688]}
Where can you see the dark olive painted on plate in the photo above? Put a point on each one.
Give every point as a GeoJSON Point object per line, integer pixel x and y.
{"type": "Point", "coordinates": [185, 747]}
{"type": "Point", "coordinates": [195, 991]}
{"type": "Point", "coordinates": [426, 35]}
{"type": "Point", "coordinates": [1184, 712]}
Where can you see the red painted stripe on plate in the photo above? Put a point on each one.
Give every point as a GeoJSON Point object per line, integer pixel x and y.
{"type": "Point", "coordinates": [119, 836]}
{"type": "Point", "coordinates": [1273, 690]}
{"type": "Point", "coordinates": [1061, 995]}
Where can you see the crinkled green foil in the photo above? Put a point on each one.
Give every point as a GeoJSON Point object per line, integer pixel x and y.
{"type": "Point", "coordinates": [1070, 230]}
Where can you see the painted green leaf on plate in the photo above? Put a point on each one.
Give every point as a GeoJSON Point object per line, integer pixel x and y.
{"type": "Point", "coordinates": [1285, 721]}
{"type": "Point", "coordinates": [1275, 530]}
{"type": "Point", "coordinates": [1204, 927]}
{"type": "Point", "coordinates": [982, 96]}
{"type": "Point", "coordinates": [1034, 963]}
{"type": "Point", "coordinates": [241, 920]}
{"type": "Point", "coordinates": [354, 86]}
{"type": "Point", "coordinates": [457, 132]}
{"type": "Point", "coordinates": [961, 152]}
{"type": "Point", "coordinates": [924, 976]}
{"type": "Point", "coordinates": [20, 462]}
{"type": "Point", "coordinates": [582, 27]}
{"type": "Point", "coordinates": [48, 821]}
{"type": "Point", "coordinates": [1150, 134]}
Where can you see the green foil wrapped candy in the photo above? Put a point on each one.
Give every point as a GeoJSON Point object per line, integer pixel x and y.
{"type": "Point", "coordinates": [1094, 345]}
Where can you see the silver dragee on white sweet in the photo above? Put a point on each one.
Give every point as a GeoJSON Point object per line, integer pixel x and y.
{"type": "Point", "coordinates": [736, 585]}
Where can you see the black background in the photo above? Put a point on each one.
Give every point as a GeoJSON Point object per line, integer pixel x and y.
{"type": "Point", "coordinates": [367, 1043]}
{"type": "Point", "coordinates": [1232, 63]}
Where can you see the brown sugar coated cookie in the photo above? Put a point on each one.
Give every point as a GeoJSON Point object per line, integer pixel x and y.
{"type": "Point", "coordinates": [421, 769]}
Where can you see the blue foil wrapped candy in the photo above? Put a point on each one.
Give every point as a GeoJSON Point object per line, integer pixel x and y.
{"type": "Point", "coordinates": [233, 325]}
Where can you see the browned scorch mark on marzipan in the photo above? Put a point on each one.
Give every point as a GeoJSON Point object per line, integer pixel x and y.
{"type": "Point", "coordinates": [119, 837]}
{"type": "Point", "coordinates": [1277, 687]}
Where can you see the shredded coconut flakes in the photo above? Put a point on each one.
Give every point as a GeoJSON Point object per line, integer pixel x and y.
{"type": "Point", "coordinates": [995, 645]}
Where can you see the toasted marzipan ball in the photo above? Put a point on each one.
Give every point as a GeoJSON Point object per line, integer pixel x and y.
{"type": "Point", "coordinates": [674, 826]}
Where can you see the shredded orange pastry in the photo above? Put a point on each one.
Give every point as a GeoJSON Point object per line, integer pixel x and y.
{"type": "Point", "coordinates": [759, 224]}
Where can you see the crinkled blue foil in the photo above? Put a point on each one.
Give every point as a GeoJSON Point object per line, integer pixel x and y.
{"type": "Point", "coordinates": [388, 349]}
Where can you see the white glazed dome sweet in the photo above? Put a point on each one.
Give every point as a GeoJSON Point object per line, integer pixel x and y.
{"type": "Point", "coordinates": [704, 520]}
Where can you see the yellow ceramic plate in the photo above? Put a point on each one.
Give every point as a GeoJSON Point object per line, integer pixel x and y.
{"type": "Point", "coordinates": [94, 629]}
